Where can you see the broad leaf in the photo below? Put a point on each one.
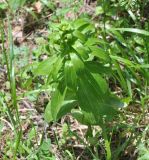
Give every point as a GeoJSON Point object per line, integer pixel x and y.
{"type": "Point", "coordinates": [86, 118]}
{"type": "Point", "coordinates": [45, 66]}
{"type": "Point", "coordinates": [96, 67]}
{"type": "Point", "coordinates": [81, 50]}
{"type": "Point", "coordinates": [81, 23]}
{"type": "Point", "coordinates": [101, 82]}
{"type": "Point", "coordinates": [79, 35]}
{"type": "Point", "coordinates": [70, 75]}
{"type": "Point", "coordinates": [77, 62]}
{"type": "Point", "coordinates": [90, 95]}
{"type": "Point", "coordinates": [93, 96]}
{"type": "Point", "coordinates": [54, 106]}
{"type": "Point", "coordinates": [66, 107]}
{"type": "Point", "coordinates": [100, 53]}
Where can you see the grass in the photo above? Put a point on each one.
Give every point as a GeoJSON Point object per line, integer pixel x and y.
{"type": "Point", "coordinates": [123, 56]}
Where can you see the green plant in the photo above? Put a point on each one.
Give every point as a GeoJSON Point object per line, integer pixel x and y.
{"type": "Point", "coordinates": [144, 145]}
{"type": "Point", "coordinates": [76, 70]}
{"type": "Point", "coordinates": [15, 4]}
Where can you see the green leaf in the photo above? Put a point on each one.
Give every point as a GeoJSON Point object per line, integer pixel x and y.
{"type": "Point", "coordinates": [15, 4]}
{"type": "Point", "coordinates": [85, 117]}
{"type": "Point", "coordinates": [101, 82]}
{"type": "Point", "coordinates": [48, 114]}
{"type": "Point", "coordinates": [92, 41]}
{"type": "Point", "coordinates": [70, 75]}
{"type": "Point", "coordinates": [93, 96]}
{"type": "Point", "coordinates": [132, 15]}
{"type": "Point", "coordinates": [79, 35]}
{"type": "Point", "coordinates": [45, 66]}
{"type": "Point", "coordinates": [99, 10]}
{"type": "Point", "coordinates": [58, 107]}
{"type": "Point", "coordinates": [96, 67]}
{"type": "Point", "coordinates": [100, 53]}
{"type": "Point", "coordinates": [46, 145]}
{"type": "Point", "coordinates": [81, 22]}
{"type": "Point", "coordinates": [66, 107]}
{"type": "Point", "coordinates": [124, 61]}
{"type": "Point", "coordinates": [114, 101]}
{"type": "Point", "coordinates": [133, 30]}
{"type": "Point", "coordinates": [81, 50]}
{"type": "Point", "coordinates": [3, 6]}
{"type": "Point", "coordinates": [118, 36]}
{"type": "Point", "coordinates": [77, 62]}
{"type": "Point", "coordinates": [56, 67]}
{"type": "Point", "coordinates": [90, 95]}
{"type": "Point", "coordinates": [54, 106]}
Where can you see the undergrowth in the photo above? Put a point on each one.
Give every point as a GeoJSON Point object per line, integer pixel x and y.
{"type": "Point", "coordinates": [75, 82]}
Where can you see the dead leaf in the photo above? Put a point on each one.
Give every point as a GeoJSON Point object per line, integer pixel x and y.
{"type": "Point", "coordinates": [17, 35]}
{"type": "Point", "coordinates": [38, 7]}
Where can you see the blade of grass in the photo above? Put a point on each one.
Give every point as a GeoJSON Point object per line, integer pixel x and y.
{"type": "Point", "coordinates": [121, 77]}
{"type": "Point", "coordinates": [133, 30]}
{"type": "Point", "coordinates": [82, 141]}
{"type": "Point", "coordinates": [13, 87]}
{"type": "Point", "coordinates": [107, 143]}
{"type": "Point", "coordinates": [8, 69]}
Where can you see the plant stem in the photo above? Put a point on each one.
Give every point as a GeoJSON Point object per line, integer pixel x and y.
{"type": "Point", "coordinates": [107, 143]}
